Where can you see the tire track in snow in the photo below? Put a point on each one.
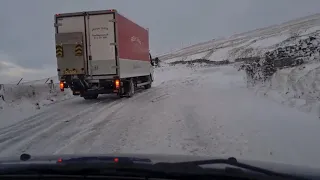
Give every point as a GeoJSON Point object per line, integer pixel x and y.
{"type": "Point", "coordinates": [28, 124]}
{"type": "Point", "coordinates": [106, 119]}
{"type": "Point", "coordinates": [74, 126]}
{"type": "Point", "coordinates": [141, 124]}
{"type": "Point", "coordinates": [94, 127]}
{"type": "Point", "coordinates": [36, 130]}
{"type": "Point", "coordinates": [58, 133]}
{"type": "Point", "coordinates": [25, 135]}
{"type": "Point", "coordinates": [196, 135]}
{"type": "Point", "coordinates": [27, 121]}
{"type": "Point", "coordinates": [204, 133]}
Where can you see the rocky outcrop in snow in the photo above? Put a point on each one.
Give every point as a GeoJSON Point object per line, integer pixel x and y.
{"type": "Point", "coordinates": [290, 54]}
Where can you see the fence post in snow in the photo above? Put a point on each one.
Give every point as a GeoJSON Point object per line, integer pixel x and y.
{"type": "Point", "coordinates": [19, 81]}
{"type": "Point", "coordinates": [51, 86]}
{"type": "Point", "coordinates": [47, 80]}
{"type": "Point", "coordinates": [2, 91]}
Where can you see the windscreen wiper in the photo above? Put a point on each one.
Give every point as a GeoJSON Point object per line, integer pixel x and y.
{"type": "Point", "coordinates": [137, 166]}
{"type": "Point", "coordinates": [96, 165]}
{"type": "Point", "coordinates": [105, 159]}
{"type": "Point", "coordinates": [230, 161]}
{"type": "Point", "coordinates": [91, 159]}
{"type": "Point", "coordinates": [87, 165]}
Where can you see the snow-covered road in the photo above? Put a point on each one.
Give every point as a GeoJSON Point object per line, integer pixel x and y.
{"type": "Point", "coordinates": [208, 111]}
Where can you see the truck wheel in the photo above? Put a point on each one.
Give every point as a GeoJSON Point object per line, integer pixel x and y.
{"type": "Point", "coordinates": [95, 96]}
{"type": "Point", "coordinates": [91, 97]}
{"type": "Point", "coordinates": [148, 86]}
{"type": "Point", "coordinates": [131, 88]}
{"type": "Point", "coordinates": [86, 97]}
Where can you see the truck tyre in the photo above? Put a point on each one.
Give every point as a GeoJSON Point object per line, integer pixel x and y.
{"type": "Point", "coordinates": [95, 96]}
{"type": "Point", "coordinates": [86, 97]}
{"type": "Point", "coordinates": [91, 97]}
{"type": "Point", "coordinates": [131, 88]}
{"type": "Point", "coordinates": [148, 86]}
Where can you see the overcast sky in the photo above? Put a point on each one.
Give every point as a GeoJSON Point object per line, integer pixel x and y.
{"type": "Point", "coordinates": [27, 34]}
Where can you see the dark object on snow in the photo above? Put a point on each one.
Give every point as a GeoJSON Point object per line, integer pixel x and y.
{"type": "Point", "coordinates": [151, 60]}
{"type": "Point", "coordinates": [2, 91]}
{"type": "Point", "coordinates": [258, 70]}
{"type": "Point", "coordinates": [204, 61]}
{"type": "Point", "coordinates": [287, 62]}
{"type": "Point", "coordinates": [156, 61]}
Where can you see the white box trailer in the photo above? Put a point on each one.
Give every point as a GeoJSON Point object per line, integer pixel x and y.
{"type": "Point", "coordinates": [101, 52]}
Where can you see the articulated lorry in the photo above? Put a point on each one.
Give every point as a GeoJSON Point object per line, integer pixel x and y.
{"type": "Point", "coordinates": [102, 52]}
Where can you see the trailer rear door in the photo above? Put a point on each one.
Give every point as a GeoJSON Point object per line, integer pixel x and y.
{"type": "Point", "coordinates": [102, 51]}
{"type": "Point", "coordinates": [70, 33]}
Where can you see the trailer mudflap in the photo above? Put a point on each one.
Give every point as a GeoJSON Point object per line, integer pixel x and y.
{"type": "Point", "coordinates": [70, 53]}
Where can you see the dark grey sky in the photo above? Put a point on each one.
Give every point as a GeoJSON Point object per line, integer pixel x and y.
{"type": "Point", "coordinates": [26, 33]}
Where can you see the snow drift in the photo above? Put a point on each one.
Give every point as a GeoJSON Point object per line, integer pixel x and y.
{"type": "Point", "coordinates": [28, 98]}
{"type": "Point", "coordinates": [296, 87]}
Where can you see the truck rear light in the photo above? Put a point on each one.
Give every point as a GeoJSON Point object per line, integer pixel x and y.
{"type": "Point", "coordinates": [117, 83]}
{"type": "Point", "coordinates": [61, 85]}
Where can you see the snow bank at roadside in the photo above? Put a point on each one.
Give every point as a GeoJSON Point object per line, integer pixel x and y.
{"type": "Point", "coordinates": [27, 99]}
{"type": "Point", "coordinates": [167, 73]}
{"type": "Point", "coordinates": [297, 87]}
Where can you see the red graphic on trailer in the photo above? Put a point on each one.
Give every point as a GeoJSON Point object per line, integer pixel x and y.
{"type": "Point", "coordinates": [133, 40]}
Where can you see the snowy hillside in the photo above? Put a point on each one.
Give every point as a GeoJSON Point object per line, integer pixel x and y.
{"type": "Point", "coordinates": [287, 45]}
{"type": "Point", "coordinates": [251, 44]}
